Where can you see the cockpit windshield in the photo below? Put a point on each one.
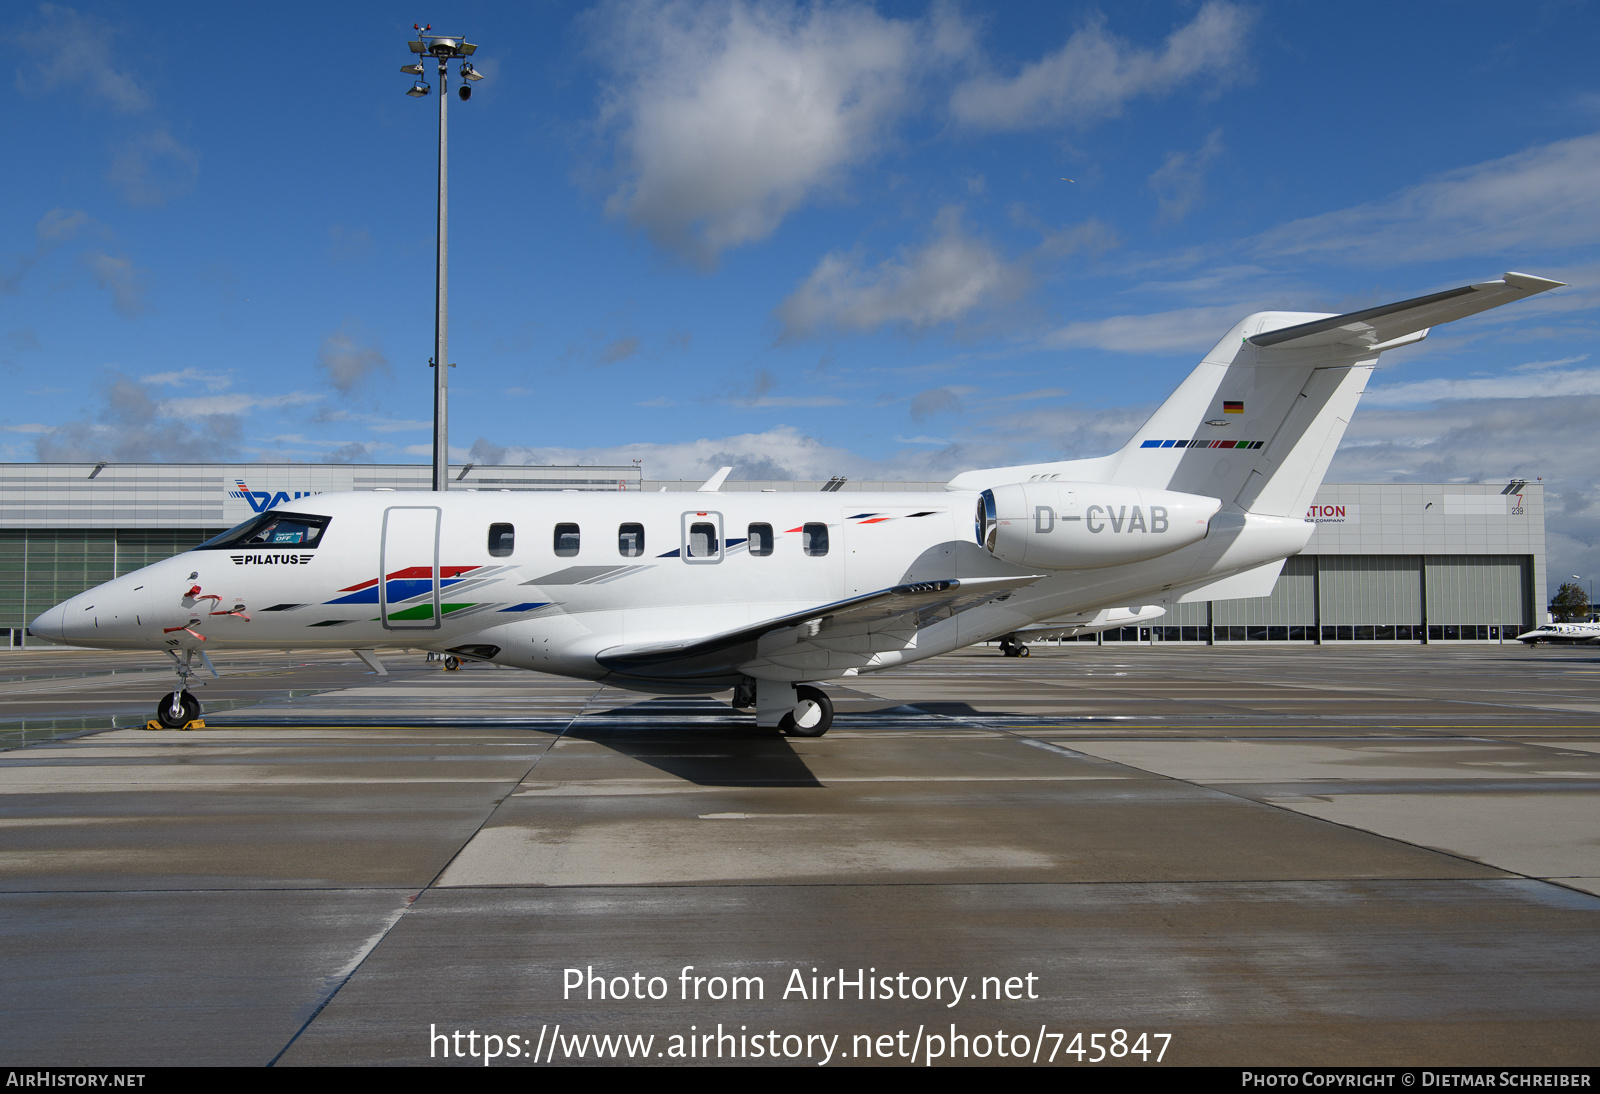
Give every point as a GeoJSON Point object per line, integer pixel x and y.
{"type": "Point", "coordinates": [271, 530]}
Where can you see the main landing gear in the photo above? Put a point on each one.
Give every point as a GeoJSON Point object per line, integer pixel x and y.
{"type": "Point", "coordinates": [802, 711]}
{"type": "Point", "coordinates": [1010, 647]}
{"type": "Point", "coordinates": [811, 716]}
{"type": "Point", "coordinates": [178, 709]}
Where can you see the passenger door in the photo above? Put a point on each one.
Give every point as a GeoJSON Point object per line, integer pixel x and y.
{"type": "Point", "coordinates": [408, 567]}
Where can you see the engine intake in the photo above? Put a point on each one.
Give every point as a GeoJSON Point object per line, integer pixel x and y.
{"type": "Point", "coordinates": [1083, 525]}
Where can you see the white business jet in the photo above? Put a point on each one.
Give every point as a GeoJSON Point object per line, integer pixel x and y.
{"type": "Point", "coordinates": [767, 594]}
{"type": "Point", "coordinates": [1562, 634]}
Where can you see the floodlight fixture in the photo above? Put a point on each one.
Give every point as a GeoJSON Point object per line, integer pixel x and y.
{"type": "Point", "coordinates": [470, 73]}
{"type": "Point", "coordinates": [414, 70]}
{"type": "Point", "coordinates": [419, 89]}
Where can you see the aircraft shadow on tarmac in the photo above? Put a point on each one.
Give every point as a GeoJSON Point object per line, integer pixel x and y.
{"type": "Point", "coordinates": [962, 710]}
{"type": "Point", "coordinates": [697, 740]}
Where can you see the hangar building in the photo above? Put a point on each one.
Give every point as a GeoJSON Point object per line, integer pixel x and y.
{"type": "Point", "coordinates": [1406, 563]}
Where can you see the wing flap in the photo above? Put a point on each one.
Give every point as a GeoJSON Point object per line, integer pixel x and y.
{"type": "Point", "coordinates": [848, 631]}
{"type": "Point", "coordinates": [1386, 322]}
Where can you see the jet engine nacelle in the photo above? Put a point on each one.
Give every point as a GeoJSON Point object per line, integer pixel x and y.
{"type": "Point", "coordinates": [1081, 525]}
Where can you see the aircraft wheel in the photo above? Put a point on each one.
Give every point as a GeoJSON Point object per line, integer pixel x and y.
{"type": "Point", "coordinates": [451, 662]}
{"type": "Point", "coordinates": [812, 714]}
{"type": "Point", "coordinates": [1022, 651]}
{"type": "Point", "coordinates": [176, 716]}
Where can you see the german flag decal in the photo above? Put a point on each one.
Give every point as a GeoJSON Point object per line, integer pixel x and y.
{"type": "Point", "coordinates": [1233, 406]}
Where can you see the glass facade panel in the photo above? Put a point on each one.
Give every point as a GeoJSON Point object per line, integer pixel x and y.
{"type": "Point", "coordinates": [39, 568]}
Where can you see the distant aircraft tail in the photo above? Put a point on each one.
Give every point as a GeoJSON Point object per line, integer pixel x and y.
{"type": "Point", "coordinates": [1257, 422]}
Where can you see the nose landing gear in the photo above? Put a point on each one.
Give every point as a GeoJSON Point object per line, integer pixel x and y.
{"type": "Point", "coordinates": [180, 709]}
{"type": "Point", "coordinates": [177, 710]}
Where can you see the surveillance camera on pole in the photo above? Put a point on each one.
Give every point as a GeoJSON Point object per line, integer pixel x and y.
{"type": "Point", "coordinates": [443, 48]}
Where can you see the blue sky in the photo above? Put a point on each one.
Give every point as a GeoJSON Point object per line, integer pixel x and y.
{"type": "Point", "coordinates": [802, 239]}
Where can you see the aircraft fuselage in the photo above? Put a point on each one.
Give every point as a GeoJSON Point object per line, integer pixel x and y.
{"type": "Point", "coordinates": [550, 580]}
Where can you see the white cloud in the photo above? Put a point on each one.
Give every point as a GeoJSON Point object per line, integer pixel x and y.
{"type": "Point", "coordinates": [121, 278]}
{"type": "Point", "coordinates": [73, 51]}
{"type": "Point", "coordinates": [231, 404]}
{"type": "Point", "coordinates": [375, 422]}
{"type": "Point", "coordinates": [348, 359]}
{"type": "Point", "coordinates": [1544, 383]}
{"type": "Point", "coordinates": [942, 282]}
{"type": "Point", "coordinates": [211, 381]}
{"type": "Point", "coordinates": [619, 349]}
{"type": "Point", "coordinates": [132, 427]}
{"type": "Point", "coordinates": [1542, 197]}
{"type": "Point", "coordinates": [1185, 330]}
{"type": "Point", "coordinates": [153, 168]}
{"type": "Point", "coordinates": [759, 395]}
{"type": "Point", "coordinates": [61, 225]}
{"type": "Point", "coordinates": [782, 453]}
{"type": "Point", "coordinates": [933, 402]}
{"type": "Point", "coordinates": [1179, 183]}
{"type": "Point", "coordinates": [1537, 366]}
{"type": "Point", "coordinates": [1095, 74]}
{"type": "Point", "coordinates": [55, 228]}
{"type": "Point", "coordinates": [729, 116]}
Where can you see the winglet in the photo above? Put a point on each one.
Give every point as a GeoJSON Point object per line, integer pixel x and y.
{"type": "Point", "coordinates": [714, 483]}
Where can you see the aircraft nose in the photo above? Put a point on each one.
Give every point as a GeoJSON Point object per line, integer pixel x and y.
{"type": "Point", "coordinates": [50, 624]}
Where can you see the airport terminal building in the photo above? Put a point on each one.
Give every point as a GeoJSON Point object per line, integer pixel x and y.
{"type": "Point", "coordinates": [1395, 563]}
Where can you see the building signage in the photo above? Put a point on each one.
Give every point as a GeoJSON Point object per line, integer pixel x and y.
{"type": "Point", "coordinates": [1343, 513]}
{"type": "Point", "coordinates": [262, 500]}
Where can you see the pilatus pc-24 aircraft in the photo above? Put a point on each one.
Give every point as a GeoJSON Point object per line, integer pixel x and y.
{"type": "Point", "coordinates": [767, 594]}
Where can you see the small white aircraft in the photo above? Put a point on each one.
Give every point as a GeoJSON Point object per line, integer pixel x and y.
{"type": "Point", "coordinates": [1015, 643]}
{"type": "Point", "coordinates": [1562, 634]}
{"type": "Point", "coordinates": [768, 594]}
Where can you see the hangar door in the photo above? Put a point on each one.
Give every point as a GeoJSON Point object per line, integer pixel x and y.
{"type": "Point", "coordinates": [1478, 589]}
{"type": "Point", "coordinates": [1364, 589]}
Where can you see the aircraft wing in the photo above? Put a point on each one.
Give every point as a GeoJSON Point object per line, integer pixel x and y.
{"type": "Point", "coordinates": [852, 630]}
{"type": "Point", "coordinates": [1375, 326]}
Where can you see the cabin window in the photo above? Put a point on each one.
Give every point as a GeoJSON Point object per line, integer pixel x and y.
{"type": "Point", "coordinates": [814, 539]}
{"type": "Point", "coordinates": [566, 540]}
{"type": "Point", "coordinates": [761, 539]}
{"type": "Point", "coordinates": [502, 540]}
{"type": "Point", "coordinates": [630, 540]}
{"type": "Point", "coordinates": [702, 540]}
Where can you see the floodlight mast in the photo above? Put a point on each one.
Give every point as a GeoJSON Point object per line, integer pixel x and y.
{"type": "Point", "coordinates": [444, 48]}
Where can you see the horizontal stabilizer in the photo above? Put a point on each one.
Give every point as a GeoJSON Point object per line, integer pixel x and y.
{"type": "Point", "coordinates": [1385, 323]}
{"type": "Point", "coordinates": [1252, 583]}
{"type": "Point", "coordinates": [894, 608]}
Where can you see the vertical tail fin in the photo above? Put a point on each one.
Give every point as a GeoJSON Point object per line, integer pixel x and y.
{"type": "Point", "coordinates": [1257, 422]}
